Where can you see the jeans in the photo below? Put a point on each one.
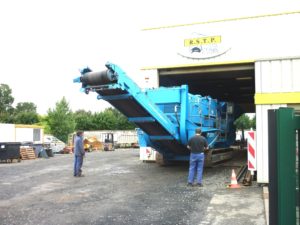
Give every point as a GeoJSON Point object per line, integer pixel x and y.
{"type": "Point", "coordinates": [196, 166]}
{"type": "Point", "coordinates": [77, 165]}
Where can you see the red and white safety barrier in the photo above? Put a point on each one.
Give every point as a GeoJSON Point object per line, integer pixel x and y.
{"type": "Point", "coordinates": [251, 146]}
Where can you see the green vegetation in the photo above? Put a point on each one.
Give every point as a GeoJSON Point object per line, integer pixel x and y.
{"type": "Point", "coordinates": [6, 101]}
{"type": "Point", "coordinates": [25, 113]}
{"type": "Point", "coordinates": [244, 123]}
{"type": "Point", "coordinates": [60, 120]}
{"type": "Point", "coordinates": [109, 119]}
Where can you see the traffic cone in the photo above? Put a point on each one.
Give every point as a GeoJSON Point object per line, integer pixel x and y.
{"type": "Point", "coordinates": [234, 183]}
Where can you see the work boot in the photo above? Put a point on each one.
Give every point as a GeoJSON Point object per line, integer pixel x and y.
{"type": "Point", "coordinates": [200, 185]}
{"type": "Point", "coordinates": [189, 184]}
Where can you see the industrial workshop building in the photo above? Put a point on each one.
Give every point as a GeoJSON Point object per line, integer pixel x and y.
{"type": "Point", "coordinates": [252, 61]}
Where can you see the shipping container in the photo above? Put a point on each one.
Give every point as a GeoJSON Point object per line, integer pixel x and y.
{"type": "Point", "coordinates": [21, 133]}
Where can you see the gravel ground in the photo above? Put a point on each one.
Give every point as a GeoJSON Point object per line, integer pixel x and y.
{"type": "Point", "coordinates": [119, 189]}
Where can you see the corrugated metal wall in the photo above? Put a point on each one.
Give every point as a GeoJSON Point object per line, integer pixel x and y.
{"type": "Point", "coordinates": [277, 76]}
{"type": "Point", "coordinates": [272, 76]}
{"type": "Point", "coordinates": [262, 145]}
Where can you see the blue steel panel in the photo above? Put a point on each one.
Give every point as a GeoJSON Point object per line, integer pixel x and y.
{"type": "Point", "coordinates": [183, 114]}
{"type": "Point", "coordinates": [141, 119]}
{"type": "Point", "coordinates": [164, 95]}
{"type": "Point", "coordinates": [161, 137]}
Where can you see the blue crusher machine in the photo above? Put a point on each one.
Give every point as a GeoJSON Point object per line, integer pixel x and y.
{"type": "Point", "coordinates": [166, 117]}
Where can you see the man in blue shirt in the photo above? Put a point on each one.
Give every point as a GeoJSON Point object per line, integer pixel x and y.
{"type": "Point", "coordinates": [196, 144]}
{"type": "Point", "coordinates": [79, 154]}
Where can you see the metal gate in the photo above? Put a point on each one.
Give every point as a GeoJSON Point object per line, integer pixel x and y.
{"type": "Point", "coordinates": [284, 138]}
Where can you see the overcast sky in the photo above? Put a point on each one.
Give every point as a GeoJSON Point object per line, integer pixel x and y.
{"type": "Point", "coordinates": [44, 43]}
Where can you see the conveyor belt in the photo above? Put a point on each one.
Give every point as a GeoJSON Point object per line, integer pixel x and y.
{"type": "Point", "coordinates": [128, 105]}
{"type": "Point", "coordinates": [114, 86]}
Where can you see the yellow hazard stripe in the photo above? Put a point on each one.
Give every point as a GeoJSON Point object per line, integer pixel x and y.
{"type": "Point", "coordinates": [27, 126]}
{"type": "Point", "coordinates": [277, 98]}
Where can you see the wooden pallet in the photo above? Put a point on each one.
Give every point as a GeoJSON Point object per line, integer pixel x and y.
{"type": "Point", "coordinates": [27, 153]}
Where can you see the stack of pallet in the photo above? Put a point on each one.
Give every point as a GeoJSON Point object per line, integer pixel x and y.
{"type": "Point", "coordinates": [27, 153]}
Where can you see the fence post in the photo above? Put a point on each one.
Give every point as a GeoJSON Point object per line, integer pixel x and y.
{"type": "Point", "coordinates": [273, 188]}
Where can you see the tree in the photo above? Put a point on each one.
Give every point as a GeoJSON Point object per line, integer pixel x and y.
{"type": "Point", "coordinates": [60, 120]}
{"type": "Point", "coordinates": [242, 123]}
{"type": "Point", "coordinates": [6, 101]}
{"type": "Point", "coordinates": [104, 120]}
{"type": "Point", "coordinates": [43, 121]}
{"type": "Point", "coordinates": [84, 120]}
{"type": "Point", "coordinates": [122, 122]}
{"type": "Point", "coordinates": [253, 122]}
{"type": "Point", "coordinates": [111, 119]}
{"type": "Point", "coordinates": [25, 113]}
{"type": "Point", "coordinates": [25, 107]}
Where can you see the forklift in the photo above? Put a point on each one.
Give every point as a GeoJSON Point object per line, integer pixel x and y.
{"type": "Point", "coordinates": [109, 142]}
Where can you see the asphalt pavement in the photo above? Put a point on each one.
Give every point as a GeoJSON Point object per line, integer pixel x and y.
{"type": "Point", "coordinates": [120, 189]}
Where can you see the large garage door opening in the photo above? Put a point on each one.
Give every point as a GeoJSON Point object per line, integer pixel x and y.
{"type": "Point", "coordinates": [234, 83]}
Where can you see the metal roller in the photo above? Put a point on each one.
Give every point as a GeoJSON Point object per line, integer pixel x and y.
{"type": "Point", "coordinates": [99, 78]}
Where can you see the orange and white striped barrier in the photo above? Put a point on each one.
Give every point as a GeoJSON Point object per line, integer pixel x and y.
{"type": "Point", "coordinates": [251, 146]}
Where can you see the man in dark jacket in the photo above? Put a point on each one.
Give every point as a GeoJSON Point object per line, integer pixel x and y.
{"type": "Point", "coordinates": [196, 144]}
{"type": "Point", "coordinates": [79, 154]}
